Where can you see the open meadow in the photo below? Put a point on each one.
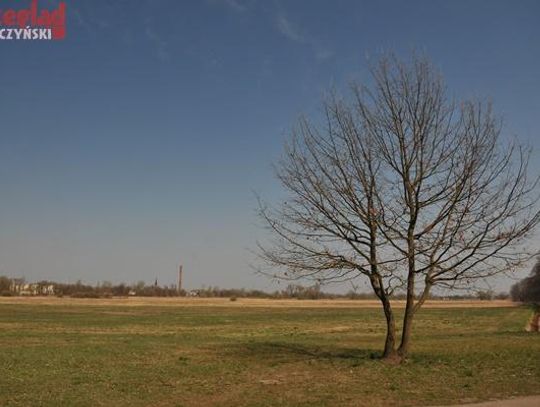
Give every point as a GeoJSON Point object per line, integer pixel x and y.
{"type": "Point", "coordinates": [199, 352]}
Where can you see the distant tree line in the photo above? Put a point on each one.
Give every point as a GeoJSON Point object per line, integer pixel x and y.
{"type": "Point", "coordinates": [106, 289]}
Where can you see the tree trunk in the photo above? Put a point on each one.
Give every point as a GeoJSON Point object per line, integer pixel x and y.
{"type": "Point", "coordinates": [407, 319]}
{"type": "Point", "coordinates": [390, 342]}
{"type": "Point", "coordinates": [406, 334]}
{"type": "Point", "coordinates": [389, 352]}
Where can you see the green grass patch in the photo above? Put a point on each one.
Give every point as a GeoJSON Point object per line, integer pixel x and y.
{"type": "Point", "coordinates": [229, 356]}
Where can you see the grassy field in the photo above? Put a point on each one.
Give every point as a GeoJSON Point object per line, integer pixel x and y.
{"type": "Point", "coordinates": [256, 353]}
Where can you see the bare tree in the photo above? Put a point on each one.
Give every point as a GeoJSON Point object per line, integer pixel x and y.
{"type": "Point", "coordinates": [404, 187]}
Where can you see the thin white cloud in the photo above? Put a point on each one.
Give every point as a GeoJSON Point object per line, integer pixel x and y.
{"type": "Point", "coordinates": [287, 28]}
{"type": "Point", "coordinates": [85, 17]}
{"type": "Point", "coordinates": [160, 45]}
{"type": "Point", "coordinates": [79, 17]}
{"type": "Point", "coordinates": [292, 32]}
{"type": "Point", "coordinates": [323, 53]}
{"type": "Point", "coordinates": [235, 5]}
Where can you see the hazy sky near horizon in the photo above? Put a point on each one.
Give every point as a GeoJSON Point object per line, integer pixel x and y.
{"type": "Point", "coordinates": [136, 143]}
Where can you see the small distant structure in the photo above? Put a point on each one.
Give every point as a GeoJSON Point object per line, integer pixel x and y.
{"type": "Point", "coordinates": [27, 289]}
{"type": "Point", "coordinates": [19, 287]}
{"type": "Point", "coordinates": [180, 272]}
{"type": "Point", "coordinates": [47, 289]}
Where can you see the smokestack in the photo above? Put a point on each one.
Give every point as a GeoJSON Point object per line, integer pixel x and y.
{"type": "Point", "coordinates": [180, 278]}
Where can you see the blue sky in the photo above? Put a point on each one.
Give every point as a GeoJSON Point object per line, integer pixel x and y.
{"type": "Point", "coordinates": [136, 143]}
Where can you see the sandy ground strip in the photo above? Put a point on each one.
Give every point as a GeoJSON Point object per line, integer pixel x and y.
{"type": "Point", "coordinates": [246, 302]}
{"type": "Point", "coordinates": [529, 401]}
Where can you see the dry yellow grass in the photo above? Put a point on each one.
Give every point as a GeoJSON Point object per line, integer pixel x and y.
{"type": "Point", "coordinates": [246, 302]}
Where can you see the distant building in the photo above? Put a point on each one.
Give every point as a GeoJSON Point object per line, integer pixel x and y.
{"type": "Point", "coordinates": [20, 288]}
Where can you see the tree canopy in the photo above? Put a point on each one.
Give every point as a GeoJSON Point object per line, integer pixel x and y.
{"type": "Point", "coordinates": [403, 186]}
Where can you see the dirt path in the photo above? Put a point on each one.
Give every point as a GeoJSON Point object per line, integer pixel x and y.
{"type": "Point", "coordinates": [529, 401]}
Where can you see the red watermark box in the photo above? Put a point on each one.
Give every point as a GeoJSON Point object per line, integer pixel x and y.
{"type": "Point", "coordinates": [33, 23]}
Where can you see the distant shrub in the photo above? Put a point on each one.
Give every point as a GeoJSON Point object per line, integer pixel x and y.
{"type": "Point", "coordinates": [233, 299]}
{"type": "Point", "coordinates": [485, 295]}
{"type": "Point", "coordinates": [5, 283]}
{"type": "Point", "coordinates": [502, 296]}
{"type": "Point", "coordinates": [6, 293]}
{"type": "Point", "coordinates": [528, 289]}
